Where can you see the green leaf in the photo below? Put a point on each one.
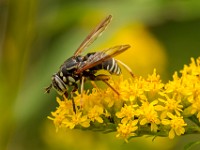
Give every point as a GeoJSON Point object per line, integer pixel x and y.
{"type": "Point", "coordinates": [195, 120]}
{"type": "Point", "coordinates": [191, 144]}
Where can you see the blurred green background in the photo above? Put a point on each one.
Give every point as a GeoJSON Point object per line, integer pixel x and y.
{"type": "Point", "coordinates": [37, 36]}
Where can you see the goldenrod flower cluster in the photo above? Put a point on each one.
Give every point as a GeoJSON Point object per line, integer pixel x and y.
{"type": "Point", "coordinates": [144, 106]}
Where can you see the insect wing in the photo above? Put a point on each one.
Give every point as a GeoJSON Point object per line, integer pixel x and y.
{"type": "Point", "coordinates": [99, 57]}
{"type": "Point", "coordinates": [93, 35]}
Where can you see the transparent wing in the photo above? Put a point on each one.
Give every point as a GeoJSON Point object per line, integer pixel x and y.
{"type": "Point", "coordinates": [93, 35]}
{"type": "Point", "coordinates": [99, 57]}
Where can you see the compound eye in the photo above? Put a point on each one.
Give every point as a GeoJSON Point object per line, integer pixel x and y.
{"type": "Point", "coordinates": [58, 84]}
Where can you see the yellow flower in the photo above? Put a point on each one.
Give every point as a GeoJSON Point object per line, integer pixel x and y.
{"type": "Point", "coordinates": [153, 85]}
{"type": "Point", "coordinates": [188, 82]}
{"type": "Point", "coordinates": [130, 89]}
{"type": "Point", "coordinates": [110, 98]}
{"type": "Point", "coordinates": [137, 90]}
{"type": "Point", "coordinates": [76, 119]}
{"type": "Point", "coordinates": [65, 117]}
{"type": "Point", "coordinates": [88, 100]}
{"type": "Point", "coordinates": [149, 115]}
{"type": "Point", "coordinates": [191, 78]}
{"type": "Point", "coordinates": [170, 105]}
{"type": "Point", "coordinates": [65, 107]}
{"type": "Point", "coordinates": [196, 106]}
{"type": "Point", "coordinates": [94, 114]}
{"type": "Point", "coordinates": [176, 124]}
{"type": "Point", "coordinates": [127, 129]}
{"type": "Point", "coordinates": [127, 113]}
{"type": "Point", "coordinates": [193, 69]}
{"type": "Point", "coordinates": [57, 119]}
{"type": "Point", "coordinates": [175, 85]}
{"type": "Point", "coordinates": [145, 105]}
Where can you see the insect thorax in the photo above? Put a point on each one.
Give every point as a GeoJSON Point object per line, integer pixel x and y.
{"type": "Point", "coordinates": [68, 69]}
{"type": "Point", "coordinates": [67, 76]}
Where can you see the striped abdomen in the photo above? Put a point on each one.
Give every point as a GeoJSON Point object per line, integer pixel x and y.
{"type": "Point", "coordinates": [110, 65]}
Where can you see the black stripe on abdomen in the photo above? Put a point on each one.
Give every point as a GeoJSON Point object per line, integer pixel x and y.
{"type": "Point", "coordinates": [111, 66]}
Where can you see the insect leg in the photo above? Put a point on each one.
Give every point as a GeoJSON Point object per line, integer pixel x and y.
{"type": "Point", "coordinates": [72, 97]}
{"type": "Point", "coordinates": [94, 85]}
{"type": "Point", "coordinates": [126, 67]}
{"type": "Point", "coordinates": [105, 79]}
{"type": "Point", "coordinates": [65, 95]}
{"type": "Point", "coordinates": [82, 88]}
{"type": "Point", "coordinates": [106, 82]}
{"type": "Point", "coordinates": [73, 103]}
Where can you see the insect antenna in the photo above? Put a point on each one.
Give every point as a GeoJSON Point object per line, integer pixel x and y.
{"type": "Point", "coordinates": [48, 89]}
